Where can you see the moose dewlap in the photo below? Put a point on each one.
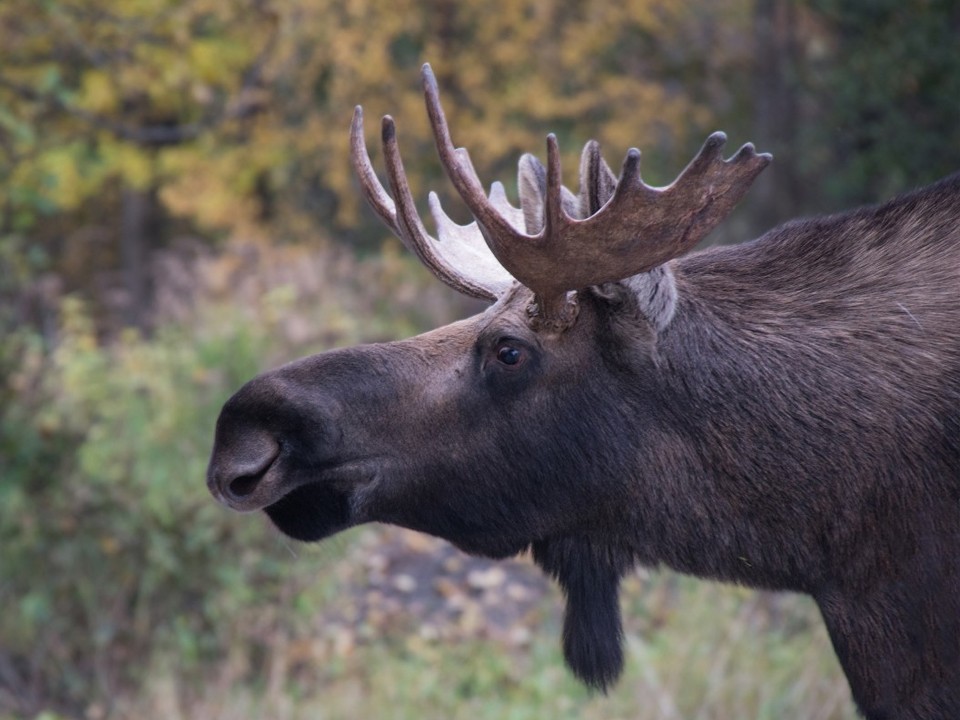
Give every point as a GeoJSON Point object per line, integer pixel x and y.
{"type": "Point", "coordinates": [793, 401]}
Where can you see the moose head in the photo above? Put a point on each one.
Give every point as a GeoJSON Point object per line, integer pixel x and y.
{"type": "Point", "coordinates": [783, 413]}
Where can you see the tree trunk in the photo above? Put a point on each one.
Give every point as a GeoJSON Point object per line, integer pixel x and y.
{"type": "Point", "coordinates": [134, 252]}
{"type": "Point", "coordinates": [776, 107]}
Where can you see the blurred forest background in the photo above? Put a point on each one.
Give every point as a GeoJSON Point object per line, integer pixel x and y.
{"type": "Point", "coordinates": [178, 212]}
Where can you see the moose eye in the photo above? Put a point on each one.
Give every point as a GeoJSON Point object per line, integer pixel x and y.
{"type": "Point", "coordinates": [509, 355]}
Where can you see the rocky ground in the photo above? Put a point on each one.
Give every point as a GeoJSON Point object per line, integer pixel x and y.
{"type": "Point", "coordinates": [402, 581]}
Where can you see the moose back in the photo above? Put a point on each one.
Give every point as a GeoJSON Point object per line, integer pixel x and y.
{"type": "Point", "coordinates": [783, 413]}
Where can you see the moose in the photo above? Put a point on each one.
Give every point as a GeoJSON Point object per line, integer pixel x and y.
{"type": "Point", "coordinates": [782, 413]}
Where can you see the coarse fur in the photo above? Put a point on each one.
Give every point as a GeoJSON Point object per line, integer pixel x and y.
{"type": "Point", "coordinates": [793, 423]}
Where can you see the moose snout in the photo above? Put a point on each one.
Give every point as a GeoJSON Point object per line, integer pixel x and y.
{"type": "Point", "coordinates": [275, 432]}
{"type": "Point", "coordinates": [239, 474]}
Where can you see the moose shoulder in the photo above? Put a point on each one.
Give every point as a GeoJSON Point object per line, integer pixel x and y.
{"type": "Point", "coordinates": [784, 413]}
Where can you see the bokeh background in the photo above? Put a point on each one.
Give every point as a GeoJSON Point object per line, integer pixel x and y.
{"type": "Point", "coordinates": [177, 212]}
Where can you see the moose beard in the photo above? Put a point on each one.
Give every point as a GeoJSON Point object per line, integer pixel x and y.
{"type": "Point", "coordinates": [589, 575]}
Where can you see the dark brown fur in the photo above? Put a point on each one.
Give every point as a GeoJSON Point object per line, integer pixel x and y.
{"type": "Point", "coordinates": [795, 426]}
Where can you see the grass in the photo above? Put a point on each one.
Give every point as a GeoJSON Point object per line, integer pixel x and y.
{"type": "Point", "coordinates": [695, 650]}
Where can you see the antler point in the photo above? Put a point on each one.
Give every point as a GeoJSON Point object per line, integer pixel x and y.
{"type": "Point", "coordinates": [749, 153]}
{"type": "Point", "coordinates": [388, 130]}
{"type": "Point", "coordinates": [428, 79]}
{"type": "Point", "coordinates": [710, 153]}
{"type": "Point", "coordinates": [356, 126]}
{"type": "Point", "coordinates": [630, 173]}
{"type": "Point", "coordinates": [436, 209]}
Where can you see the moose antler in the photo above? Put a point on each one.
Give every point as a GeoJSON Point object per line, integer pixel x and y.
{"type": "Point", "coordinates": [636, 230]}
{"type": "Point", "coordinates": [459, 247]}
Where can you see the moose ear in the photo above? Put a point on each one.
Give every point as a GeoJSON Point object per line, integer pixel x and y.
{"type": "Point", "coordinates": [592, 629]}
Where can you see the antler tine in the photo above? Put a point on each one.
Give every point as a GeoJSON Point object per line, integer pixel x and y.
{"type": "Point", "coordinates": [408, 219]}
{"type": "Point", "coordinates": [496, 229]}
{"type": "Point", "coordinates": [597, 181]}
{"type": "Point", "coordinates": [635, 228]}
{"type": "Point", "coordinates": [642, 227]}
{"type": "Point", "coordinates": [370, 184]}
{"type": "Point", "coordinates": [521, 254]}
{"type": "Point", "coordinates": [555, 217]}
{"type": "Point", "coordinates": [401, 215]}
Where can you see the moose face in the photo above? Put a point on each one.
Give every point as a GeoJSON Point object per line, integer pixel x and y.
{"type": "Point", "coordinates": [499, 430]}
{"type": "Point", "coordinates": [483, 432]}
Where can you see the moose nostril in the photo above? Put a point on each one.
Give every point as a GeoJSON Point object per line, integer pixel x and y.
{"type": "Point", "coordinates": [244, 485]}
{"type": "Point", "coordinates": [240, 464]}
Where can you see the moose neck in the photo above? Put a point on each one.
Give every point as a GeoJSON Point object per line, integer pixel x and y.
{"type": "Point", "coordinates": [757, 416]}
{"type": "Point", "coordinates": [775, 383]}
{"type": "Point", "coordinates": [721, 492]}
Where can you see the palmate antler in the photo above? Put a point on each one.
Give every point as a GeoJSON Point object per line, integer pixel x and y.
{"type": "Point", "coordinates": [637, 229]}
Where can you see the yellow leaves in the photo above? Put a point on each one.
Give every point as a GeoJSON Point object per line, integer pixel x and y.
{"type": "Point", "coordinates": [212, 188]}
{"type": "Point", "coordinates": [59, 171]}
{"type": "Point", "coordinates": [131, 9]}
{"type": "Point", "coordinates": [130, 162]}
{"type": "Point", "coordinates": [207, 60]}
{"type": "Point", "coordinates": [98, 92]}
{"type": "Point", "coordinates": [509, 72]}
{"type": "Point", "coordinates": [218, 61]}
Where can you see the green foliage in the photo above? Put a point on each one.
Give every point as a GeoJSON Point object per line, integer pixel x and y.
{"type": "Point", "coordinates": [889, 87]}
{"type": "Point", "coordinates": [114, 555]}
{"type": "Point", "coordinates": [111, 546]}
{"type": "Point", "coordinates": [709, 652]}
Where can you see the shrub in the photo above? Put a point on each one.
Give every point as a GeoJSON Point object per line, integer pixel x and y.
{"type": "Point", "coordinates": [112, 548]}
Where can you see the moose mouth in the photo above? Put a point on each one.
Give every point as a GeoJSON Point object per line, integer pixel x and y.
{"type": "Point", "coordinates": [306, 511]}
{"type": "Point", "coordinates": [305, 501]}
{"type": "Point", "coordinates": [324, 500]}
{"type": "Point", "coordinates": [311, 512]}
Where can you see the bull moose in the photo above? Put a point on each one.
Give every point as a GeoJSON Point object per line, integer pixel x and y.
{"type": "Point", "coordinates": [782, 413]}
